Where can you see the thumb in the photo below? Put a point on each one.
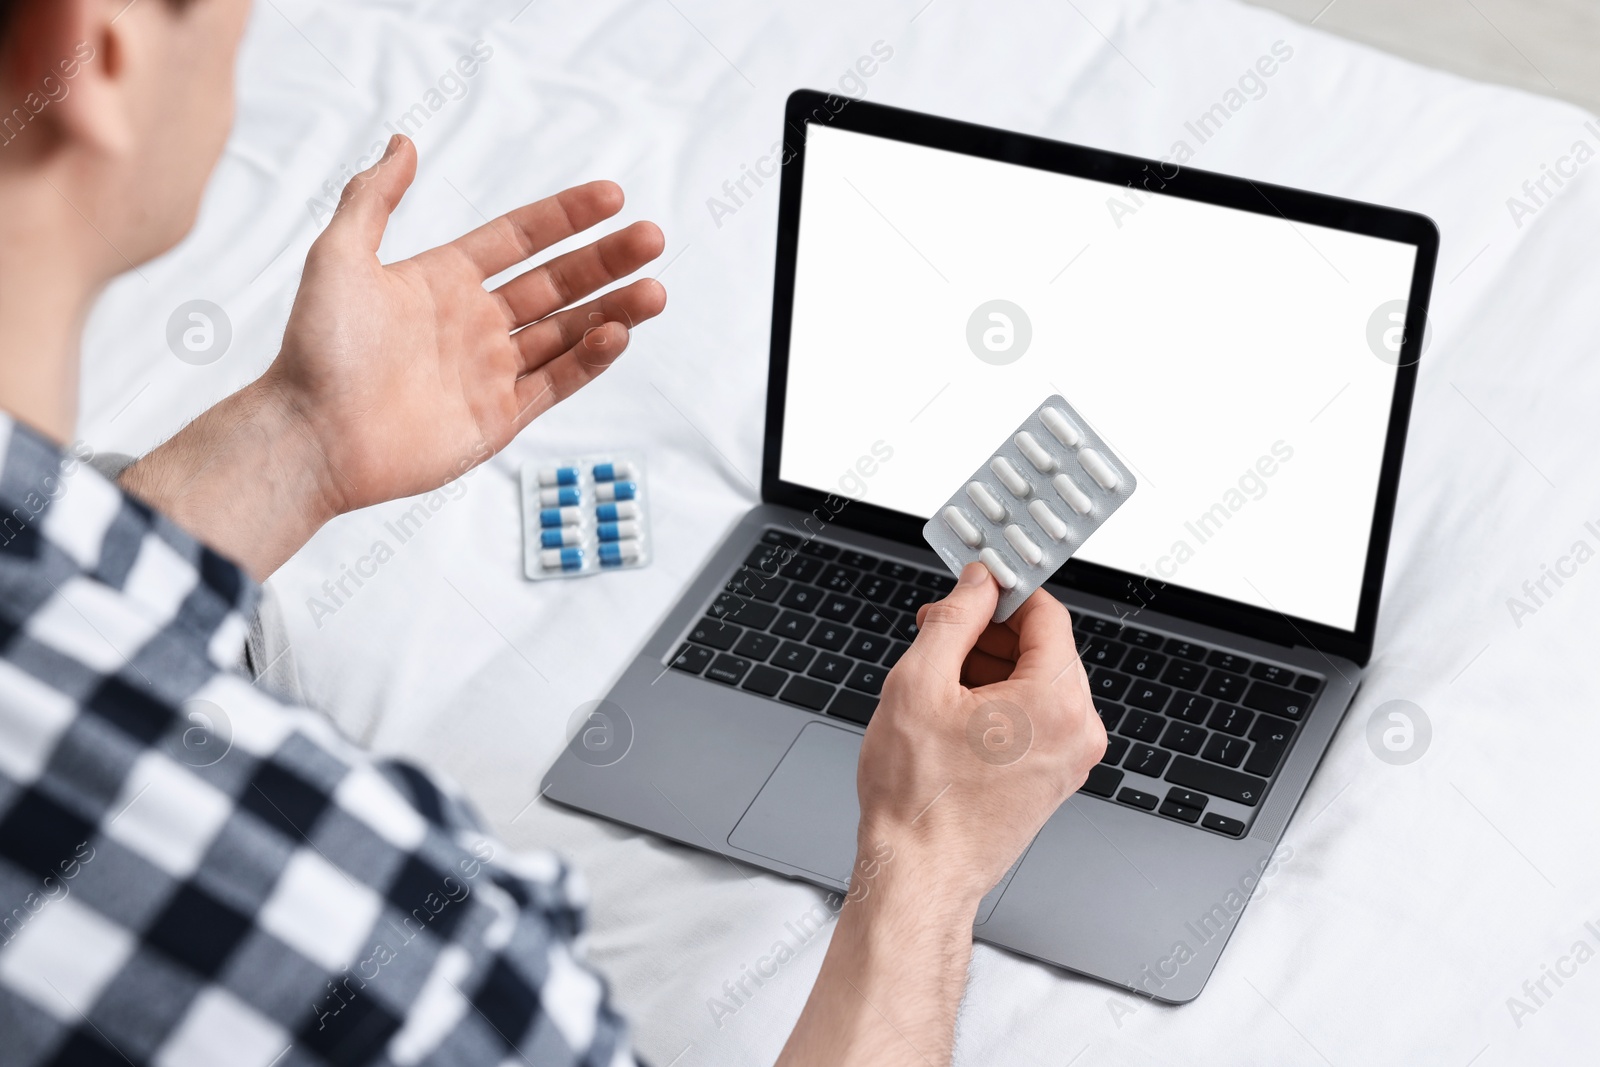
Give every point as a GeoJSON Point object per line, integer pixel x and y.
{"type": "Point", "coordinates": [950, 627]}
{"type": "Point", "coordinates": [372, 196]}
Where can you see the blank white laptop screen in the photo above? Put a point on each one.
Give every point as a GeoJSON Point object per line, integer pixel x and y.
{"type": "Point", "coordinates": [1228, 357]}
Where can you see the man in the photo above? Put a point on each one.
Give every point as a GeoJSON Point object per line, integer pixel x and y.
{"type": "Point", "coordinates": [287, 899]}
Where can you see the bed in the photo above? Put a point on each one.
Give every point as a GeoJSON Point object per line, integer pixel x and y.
{"type": "Point", "coordinates": [1421, 909]}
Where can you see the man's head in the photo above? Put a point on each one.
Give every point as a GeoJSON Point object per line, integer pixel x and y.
{"type": "Point", "coordinates": [123, 107]}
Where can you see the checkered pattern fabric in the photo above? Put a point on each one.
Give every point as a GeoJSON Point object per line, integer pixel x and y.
{"type": "Point", "coordinates": [192, 873]}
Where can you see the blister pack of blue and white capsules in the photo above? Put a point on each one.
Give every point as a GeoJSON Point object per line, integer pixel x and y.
{"type": "Point", "coordinates": [584, 515]}
{"type": "Point", "coordinates": [1024, 513]}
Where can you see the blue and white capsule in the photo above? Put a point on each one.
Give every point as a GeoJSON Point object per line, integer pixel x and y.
{"type": "Point", "coordinates": [560, 536]}
{"type": "Point", "coordinates": [618, 553]}
{"type": "Point", "coordinates": [614, 472]}
{"type": "Point", "coordinates": [558, 476]}
{"type": "Point", "coordinates": [616, 491]}
{"type": "Point", "coordinates": [617, 531]}
{"type": "Point", "coordinates": [616, 512]}
{"type": "Point", "coordinates": [561, 559]}
{"type": "Point", "coordinates": [564, 497]}
{"type": "Point", "coordinates": [560, 517]}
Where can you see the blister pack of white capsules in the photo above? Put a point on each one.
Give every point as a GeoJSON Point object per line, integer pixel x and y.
{"type": "Point", "coordinates": [584, 515]}
{"type": "Point", "coordinates": [1024, 513]}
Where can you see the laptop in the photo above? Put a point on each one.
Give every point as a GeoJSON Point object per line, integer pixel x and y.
{"type": "Point", "coordinates": [1249, 350]}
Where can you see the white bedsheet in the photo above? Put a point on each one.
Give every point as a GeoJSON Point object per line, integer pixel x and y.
{"type": "Point", "coordinates": [1418, 899]}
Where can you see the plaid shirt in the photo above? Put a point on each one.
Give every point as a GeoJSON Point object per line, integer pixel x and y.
{"type": "Point", "coordinates": [193, 873]}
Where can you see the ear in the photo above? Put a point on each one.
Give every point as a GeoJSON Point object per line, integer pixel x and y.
{"type": "Point", "coordinates": [67, 62]}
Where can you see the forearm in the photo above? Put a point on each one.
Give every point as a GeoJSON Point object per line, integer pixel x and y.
{"type": "Point", "coordinates": [893, 978]}
{"type": "Point", "coordinates": [245, 478]}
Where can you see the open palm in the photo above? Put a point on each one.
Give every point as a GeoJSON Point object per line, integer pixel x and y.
{"type": "Point", "coordinates": [406, 376]}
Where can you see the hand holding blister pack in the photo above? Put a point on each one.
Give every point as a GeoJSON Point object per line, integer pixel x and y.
{"type": "Point", "coordinates": [1025, 512]}
{"type": "Point", "coordinates": [583, 515]}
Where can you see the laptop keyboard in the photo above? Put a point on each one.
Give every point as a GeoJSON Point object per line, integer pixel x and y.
{"type": "Point", "coordinates": [1195, 733]}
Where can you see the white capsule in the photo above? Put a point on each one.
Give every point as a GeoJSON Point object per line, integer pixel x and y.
{"type": "Point", "coordinates": [1009, 476]}
{"type": "Point", "coordinates": [980, 495]}
{"type": "Point", "coordinates": [1030, 552]}
{"type": "Point", "coordinates": [957, 520]}
{"type": "Point", "coordinates": [1061, 427]}
{"type": "Point", "coordinates": [1035, 453]}
{"type": "Point", "coordinates": [1098, 468]}
{"type": "Point", "coordinates": [1048, 520]}
{"type": "Point", "coordinates": [1076, 498]}
{"type": "Point", "coordinates": [997, 567]}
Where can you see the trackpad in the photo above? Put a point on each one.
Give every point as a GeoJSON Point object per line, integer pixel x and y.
{"type": "Point", "coordinates": [806, 814]}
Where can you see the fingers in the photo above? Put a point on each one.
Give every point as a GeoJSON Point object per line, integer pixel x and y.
{"type": "Point", "coordinates": [1045, 645]}
{"type": "Point", "coordinates": [551, 337]}
{"type": "Point", "coordinates": [951, 627]}
{"type": "Point", "coordinates": [559, 378]}
{"type": "Point", "coordinates": [552, 286]}
{"type": "Point", "coordinates": [527, 231]}
{"type": "Point", "coordinates": [371, 196]}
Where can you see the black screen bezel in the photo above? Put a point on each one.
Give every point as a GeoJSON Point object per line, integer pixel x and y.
{"type": "Point", "coordinates": [1136, 591]}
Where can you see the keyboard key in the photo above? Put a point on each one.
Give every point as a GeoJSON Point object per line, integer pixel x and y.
{"type": "Point", "coordinates": [1218, 781]}
{"type": "Point", "coordinates": [830, 668]}
{"type": "Point", "coordinates": [766, 681]}
{"type": "Point", "coordinates": [1100, 652]}
{"type": "Point", "coordinates": [1308, 683]}
{"type": "Point", "coordinates": [1093, 624]}
{"type": "Point", "coordinates": [801, 569]}
{"type": "Point", "coordinates": [1108, 685]}
{"type": "Point", "coordinates": [1190, 708]}
{"type": "Point", "coordinates": [744, 611]}
{"type": "Point", "coordinates": [1188, 798]}
{"type": "Point", "coordinates": [819, 549]}
{"type": "Point", "coordinates": [1224, 686]}
{"type": "Point", "coordinates": [1110, 714]}
{"type": "Point", "coordinates": [1142, 638]}
{"type": "Point", "coordinates": [1272, 737]}
{"type": "Point", "coordinates": [1271, 672]}
{"type": "Point", "coordinates": [1142, 726]}
{"type": "Point", "coordinates": [1144, 664]}
{"type": "Point", "coordinates": [1116, 748]}
{"type": "Point", "coordinates": [1222, 824]}
{"type": "Point", "coordinates": [859, 560]}
{"type": "Point", "coordinates": [876, 589]}
{"type": "Point", "coordinates": [793, 625]}
{"type": "Point", "coordinates": [900, 572]}
{"type": "Point", "coordinates": [757, 646]}
{"type": "Point", "coordinates": [1173, 810]}
{"type": "Point", "coordinates": [1146, 760]}
{"type": "Point", "coordinates": [867, 647]}
{"type": "Point", "coordinates": [779, 537]}
{"type": "Point", "coordinates": [715, 633]}
{"type": "Point", "coordinates": [1264, 696]}
{"type": "Point", "coordinates": [1181, 737]}
{"type": "Point", "coordinates": [1228, 751]}
{"type": "Point", "coordinates": [830, 636]}
{"type": "Point", "coordinates": [867, 678]}
{"type": "Point", "coordinates": [1184, 675]}
{"type": "Point", "coordinates": [807, 692]}
{"type": "Point", "coordinates": [897, 650]}
{"type": "Point", "coordinates": [1185, 649]}
{"type": "Point", "coordinates": [730, 670]}
{"type": "Point", "coordinates": [839, 579]}
{"type": "Point", "coordinates": [907, 629]}
{"type": "Point", "coordinates": [1230, 719]}
{"type": "Point", "coordinates": [1149, 696]}
{"type": "Point", "coordinates": [767, 558]}
{"type": "Point", "coordinates": [852, 706]}
{"type": "Point", "coordinates": [794, 657]}
{"type": "Point", "coordinates": [874, 619]}
{"type": "Point", "coordinates": [1102, 781]}
{"type": "Point", "coordinates": [802, 597]}
{"type": "Point", "coordinates": [1138, 800]}
{"type": "Point", "coordinates": [838, 608]}
{"type": "Point", "coordinates": [939, 583]}
{"type": "Point", "coordinates": [1228, 661]}
{"type": "Point", "coordinates": [757, 586]}
{"type": "Point", "coordinates": [692, 659]}
{"type": "Point", "coordinates": [910, 597]}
